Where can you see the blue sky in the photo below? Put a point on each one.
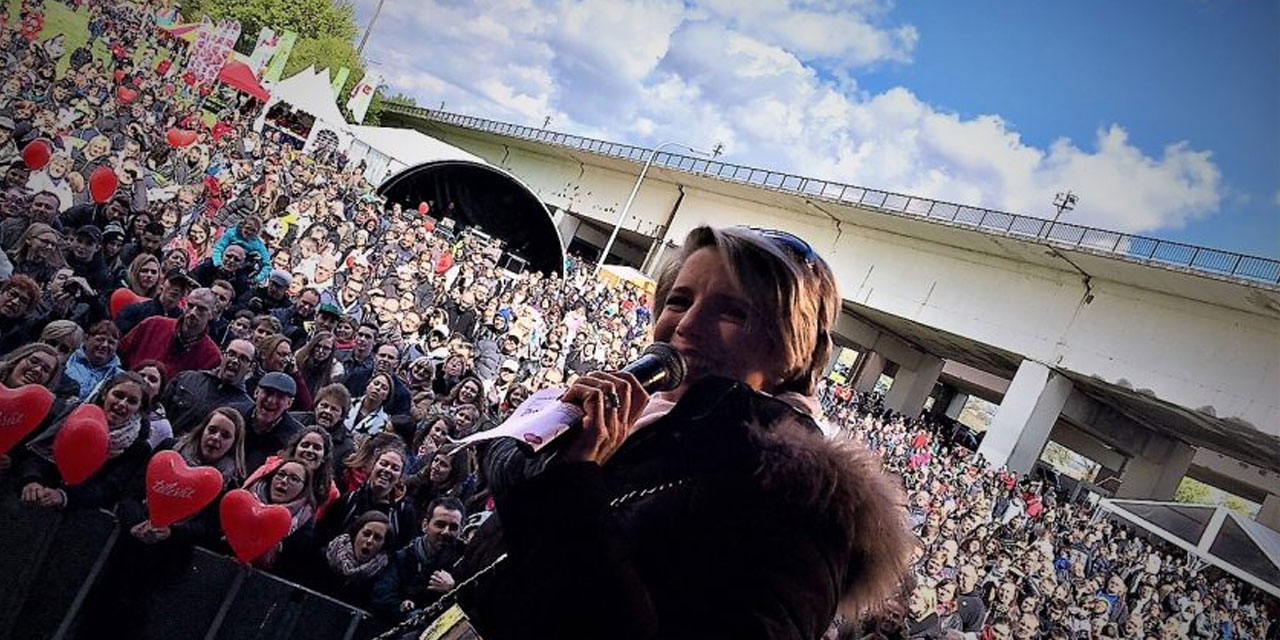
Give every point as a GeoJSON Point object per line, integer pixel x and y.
{"type": "Point", "coordinates": [1163, 115]}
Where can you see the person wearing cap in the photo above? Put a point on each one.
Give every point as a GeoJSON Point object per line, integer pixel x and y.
{"type": "Point", "coordinates": [231, 269]}
{"type": "Point", "coordinates": [84, 257]}
{"type": "Point", "coordinates": [177, 284]}
{"type": "Point", "coordinates": [182, 344]}
{"type": "Point", "coordinates": [269, 297]}
{"type": "Point", "coordinates": [499, 387]}
{"type": "Point", "coordinates": [269, 424]}
{"type": "Point", "coordinates": [327, 316]}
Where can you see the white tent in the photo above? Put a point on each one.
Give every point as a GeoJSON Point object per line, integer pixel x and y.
{"type": "Point", "coordinates": [387, 151]}
{"type": "Point", "coordinates": [310, 91]}
{"type": "Point", "coordinates": [1239, 546]}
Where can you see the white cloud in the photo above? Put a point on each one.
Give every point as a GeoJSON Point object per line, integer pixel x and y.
{"type": "Point", "coordinates": [776, 82]}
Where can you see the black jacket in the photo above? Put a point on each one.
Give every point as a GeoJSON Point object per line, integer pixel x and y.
{"type": "Point", "coordinates": [731, 517]}
{"type": "Point", "coordinates": [191, 395]}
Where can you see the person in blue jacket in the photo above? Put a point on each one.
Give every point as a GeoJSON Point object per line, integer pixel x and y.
{"type": "Point", "coordinates": [247, 234]}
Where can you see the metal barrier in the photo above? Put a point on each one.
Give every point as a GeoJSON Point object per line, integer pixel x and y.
{"type": "Point", "coordinates": [1153, 251]}
{"type": "Point", "coordinates": [50, 562]}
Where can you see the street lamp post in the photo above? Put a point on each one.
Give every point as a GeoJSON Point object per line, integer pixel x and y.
{"type": "Point", "coordinates": [626, 208]}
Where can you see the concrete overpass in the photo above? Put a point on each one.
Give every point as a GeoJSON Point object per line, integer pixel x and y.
{"type": "Point", "coordinates": [1143, 348]}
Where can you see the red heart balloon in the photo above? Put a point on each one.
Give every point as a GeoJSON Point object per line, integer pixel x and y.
{"type": "Point", "coordinates": [423, 208]}
{"type": "Point", "coordinates": [21, 411]}
{"type": "Point", "coordinates": [126, 95]}
{"type": "Point", "coordinates": [121, 298]}
{"type": "Point", "coordinates": [80, 448]}
{"type": "Point", "coordinates": [176, 491]}
{"type": "Point", "coordinates": [252, 528]}
{"type": "Point", "coordinates": [102, 184]}
{"type": "Point", "coordinates": [180, 137]}
{"type": "Point", "coordinates": [119, 75]}
{"type": "Point", "coordinates": [36, 154]}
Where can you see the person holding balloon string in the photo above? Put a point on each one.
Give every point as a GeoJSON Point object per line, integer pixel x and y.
{"type": "Point", "coordinates": [42, 474]}
{"type": "Point", "coordinates": [287, 486]}
{"type": "Point", "coordinates": [155, 550]}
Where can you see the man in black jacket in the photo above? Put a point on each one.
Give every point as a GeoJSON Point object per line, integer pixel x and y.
{"type": "Point", "coordinates": [191, 395]}
{"type": "Point", "coordinates": [269, 427]}
{"type": "Point", "coordinates": [232, 270]}
{"type": "Point", "coordinates": [420, 573]}
{"type": "Point", "coordinates": [83, 257]}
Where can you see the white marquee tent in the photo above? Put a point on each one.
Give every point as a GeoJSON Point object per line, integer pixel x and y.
{"type": "Point", "coordinates": [1239, 546]}
{"type": "Point", "coordinates": [387, 151]}
{"type": "Point", "coordinates": [310, 92]}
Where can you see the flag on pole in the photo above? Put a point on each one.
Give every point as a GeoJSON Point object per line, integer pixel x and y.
{"type": "Point", "coordinates": [362, 95]}
{"type": "Point", "coordinates": [268, 40]}
{"type": "Point", "coordinates": [338, 80]}
{"type": "Point", "coordinates": [283, 49]}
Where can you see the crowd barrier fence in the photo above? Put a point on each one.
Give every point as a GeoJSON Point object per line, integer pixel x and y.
{"type": "Point", "coordinates": [50, 561]}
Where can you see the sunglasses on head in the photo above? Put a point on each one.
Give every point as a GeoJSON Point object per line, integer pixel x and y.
{"type": "Point", "coordinates": [794, 243]}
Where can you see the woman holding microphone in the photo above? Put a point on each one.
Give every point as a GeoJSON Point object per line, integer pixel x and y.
{"type": "Point", "coordinates": [714, 510]}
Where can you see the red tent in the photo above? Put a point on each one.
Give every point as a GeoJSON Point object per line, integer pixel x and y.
{"type": "Point", "coordinates": [240, 76]}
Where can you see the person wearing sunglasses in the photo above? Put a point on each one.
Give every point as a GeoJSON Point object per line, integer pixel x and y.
{"type": "Point", "coordinates": [716, 509]}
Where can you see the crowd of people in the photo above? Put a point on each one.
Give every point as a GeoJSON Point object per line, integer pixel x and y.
{"type": "Point", "coordinates": [1005, 556]}
{"type": "Point", "coordinates": [260, 311]}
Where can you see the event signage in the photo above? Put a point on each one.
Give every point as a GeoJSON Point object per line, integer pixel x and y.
{"type": "Point", "coordinates": [211, 49]}
{"type": "Point", "coordinates": [283, 48]}
{"type": "Point", "coordinates": [268, 41]}
{"type": "Point", "coordinates": [362, 95]}
{"type": "Point", "coordinates": [338, 80]}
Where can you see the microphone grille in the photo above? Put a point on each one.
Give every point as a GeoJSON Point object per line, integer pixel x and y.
{"type": "Point", "coordinates": [671, 361]}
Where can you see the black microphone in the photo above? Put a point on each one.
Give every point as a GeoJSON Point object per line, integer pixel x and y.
{"type": "Point", "coordinates": [659, 368]}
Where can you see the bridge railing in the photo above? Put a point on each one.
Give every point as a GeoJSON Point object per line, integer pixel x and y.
{"type": "Point", "coordinates": [1166, 253]}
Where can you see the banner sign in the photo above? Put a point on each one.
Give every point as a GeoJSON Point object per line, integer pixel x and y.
{"type": "Point", "coordinates": [339, 80]}
{"type": "Point", "coordinates": [283, 48]}
{"type": "Point", "coordinates": [211, 49]}
{"type": "Point", "coordinates": [266, 46]}
{"type": "Point", "coordinates": [362, 95]}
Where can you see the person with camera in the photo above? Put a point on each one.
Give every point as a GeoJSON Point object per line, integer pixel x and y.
{"type": "Point", "coordinates": [269, 297]}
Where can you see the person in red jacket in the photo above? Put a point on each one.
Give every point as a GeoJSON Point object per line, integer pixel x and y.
{"type": "Point", "coordinates": [182, 344]}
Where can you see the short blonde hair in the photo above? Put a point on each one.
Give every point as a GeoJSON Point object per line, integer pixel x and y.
{"type": "Point", "coordinates": [792, 290]}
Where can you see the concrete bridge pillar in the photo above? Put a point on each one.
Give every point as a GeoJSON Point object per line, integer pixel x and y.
{"type": "Point", "coordinates": [1269, 514]}
{"type": "Point", "coordinates": [1154, 474]}
{"type": "Point", "coordinates": [869, 371]}
{"type": "Point", "coordinates": [911, 387]}
{"type": "Point", "coordinates": [1030, 408]}
{"type": "Point", "coordinates": [956, 405]}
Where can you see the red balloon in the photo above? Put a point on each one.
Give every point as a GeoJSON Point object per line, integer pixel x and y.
{"type": "Point", "coordinates": [176, 491]}
{"type": "Point", "coordinates": [123, 297]}
{"type": "Point", "coordinates": [252, 528]}
{"type": "Point", "coordinates": [36, 154]}
{"type": "Point", "coordinates": [423, 208]}
{"type": "Point", "coordinates": [80, 448]}
{"type": "Point", "coordinates": [180, 137]}
{"type": "Point", "coordinates": [21, 411]}
{"type": "Point", "coordinates": [119, 75]}
{"type": "Point", "coordinates": [102, 184]}
{"type": "Point", "coordinates": [126, 95]}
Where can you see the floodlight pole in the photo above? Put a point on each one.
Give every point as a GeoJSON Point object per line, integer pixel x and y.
{"type": "Point", "coordinates": [369, 29]}
{"type": "Point", "coordinates": [1064, 202]}
{"type": "Point", "coordinates": [626, 208]}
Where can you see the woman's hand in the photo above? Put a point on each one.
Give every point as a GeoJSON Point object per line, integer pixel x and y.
{"type": "Point", "coordinates": [612, 402]}
{"type": "Point", "coordinates": [148, 534]}
{"type": "Point", "coordinates": [31, 492]}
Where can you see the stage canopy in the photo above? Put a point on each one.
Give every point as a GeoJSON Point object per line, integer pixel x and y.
{"type": "Point", "coordinates": [478, 194]}
{"type": "Point", "coordinates": [240, 76]}
{"type": "Point", "coordinates": [1215, 535]}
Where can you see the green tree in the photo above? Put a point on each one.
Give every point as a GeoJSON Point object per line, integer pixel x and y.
{"type": "Point", "coordinates": [1193, 491]}
{"type": "Point", "coordinates": [311, 19]}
